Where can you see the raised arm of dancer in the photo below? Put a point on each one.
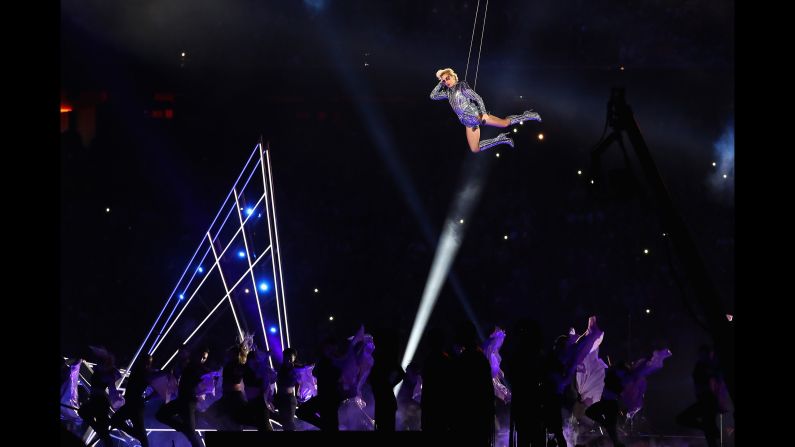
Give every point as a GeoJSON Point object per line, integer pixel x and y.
{"type": "Point", "coordinates": [645, 367]}
{"type": "Point", "coordinates": [439, 92]}
{"type": "Point", "coordinates": [585, 343]}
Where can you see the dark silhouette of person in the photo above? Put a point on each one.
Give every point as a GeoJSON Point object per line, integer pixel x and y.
{"type": "Point", "coordinates": [524, 369]}
{"type": "Point", "coordinates": [287, 390]}
{"type": "Point", "coordinates": [96, 411]}
{"type": "Point", "coordinates": [133, 408]}
{"type": "Point", "coordinates": [257, 386]}
{"type": "Point", "coordinates": [385, 375]}
{"type": "Point", "coordinates": [707, 381]}
{"type": "Point", "coordinates": [322, 410]}
{"type": "Point", "coordinates": [436, 390]}
{"type": "Point", "coordinates": [472, 400]}
{"type": "Point", "coordinates": [233, 410]}
{"type": "Point", "coordinates": [69, 439]}
{"type": "Point", "coordinates": [180, 362]}
{"type": "Point", "coordinates": [180, 413]}
{"type": "Point", "coordinates": [605, 411]}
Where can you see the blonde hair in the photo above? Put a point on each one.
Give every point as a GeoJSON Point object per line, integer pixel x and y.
{"type": "Point", "coordinates": [445, 71]}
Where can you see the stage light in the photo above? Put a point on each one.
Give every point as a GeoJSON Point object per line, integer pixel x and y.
{"type": "Point", "coordinates": [449, 242]}
{"type": "Point", "coordinates": [181, 296]}
{"type": "Point", "coordinates": [461, 221]}
{"type": "Point", "coordinates": [515, 130]}
{"type": "Point", "coordinates": [540, 136]}
{"type": "Point", "coordinates": [273, 329]}
{"type": "Point", "coordinates": [648, 311]}
{"type": "Point", "coordinates": [724, 176]}
{"type": "Point", "coordinates": [107, 210]}
{"type": "Point", "coordinates": [241, 254]}
{"type": "Point", "coordinates": [316, 290]}
{"type": "Point", "coordinates": [263, 286]}
{"type": "Point", "coordinates": [246, 290]}
{"type": "Point", "coordinates": [498, 155]}
{"type": "Point", "coordinates": [249, 211]}
{"type": "Point", "coordinates": [645, 251]}
{"type": "Point", "coordinates": [579, 172]}
{"type": "Point", "coordinates": [592, 182]}
{"type": "Point", "coordinates": [331, 318]}
{"type": "Point", "coordinates": [505, 237]}
{"type": "Point", "coordinates": [200, 269]}
{"type": "Point", "coordinates": [714, 164]}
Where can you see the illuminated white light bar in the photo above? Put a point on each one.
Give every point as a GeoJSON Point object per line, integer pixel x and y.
{"type": "Point", "coordinates": [278, 252]}
{"type": "Point", "coordinates": [253, 279]}
{"type": "Point", "coordinates": [184, 288]}
{"type": "Point", "coordinates": [273, 253]}
{"type": "Point", "coordinates": [177, 286]}
{"type": "Point", "coordinates": [207, 275]}
{"type": "Point", "coordinates": [226, 288]}
{"type": "Point", "coordinates": [196, 291]}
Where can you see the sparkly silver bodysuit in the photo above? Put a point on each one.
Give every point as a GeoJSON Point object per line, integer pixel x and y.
{"type": "Point", "coordinates": [467, 104]}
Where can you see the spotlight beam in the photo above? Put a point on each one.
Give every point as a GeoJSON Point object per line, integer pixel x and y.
{"type": "Point", "coordinates": [474, 174]}
{"type": "Point", "coordinates": [445, 253]}
{"type": "Point", "coordinates": [383, 141]}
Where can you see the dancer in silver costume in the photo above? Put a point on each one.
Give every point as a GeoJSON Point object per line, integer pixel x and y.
{"type": "Point", "coordinates": [471, 110]}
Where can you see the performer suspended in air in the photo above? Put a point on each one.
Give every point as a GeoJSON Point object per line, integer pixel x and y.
{"type": "Point", "coordinates": [471, 110]}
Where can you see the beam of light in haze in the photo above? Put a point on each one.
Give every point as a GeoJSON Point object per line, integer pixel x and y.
{"type": "Point", "coordinates": [721, 180]}
{"type": "Point", "coordinates": [384, 142]}
{"type": "Point", "coordinates": [474, 173]}
{"type": "Point", "coordinates": [315, 5]}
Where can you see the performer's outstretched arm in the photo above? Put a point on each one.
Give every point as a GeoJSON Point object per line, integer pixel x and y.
{"type": "Point", "coordinates": [439, 92]}
{"type": "Point", "coordinates": [645, 367]}
{"type": "Point", "coordinates": [584, 343]}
